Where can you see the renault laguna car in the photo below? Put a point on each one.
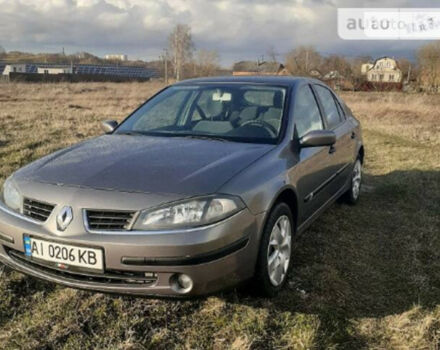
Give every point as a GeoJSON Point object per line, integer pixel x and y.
{"type": "Point", "coordinates": [200, 188]}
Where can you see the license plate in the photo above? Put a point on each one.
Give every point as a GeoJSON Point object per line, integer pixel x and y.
{"type": "Point", "coordinates": [64, 255]}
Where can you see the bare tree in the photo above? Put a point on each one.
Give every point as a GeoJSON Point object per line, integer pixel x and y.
{"type": "Point", "coordinates": [302, 60]}
{"type": "Point", "coordinates": [181, 47]}
{"type": "Point", "coordinates": [272, 53]}
{"type": "Point", "coordinates": [337, 63]}
{"type": "Point", "coordinates": [408, 71]}
{"type": "Point", "coordinates": [207, 62]}
{"type": "Point", "coordinates": [429, 64]}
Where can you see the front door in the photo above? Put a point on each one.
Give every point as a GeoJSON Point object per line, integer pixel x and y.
{"type": "Point", "coordinates": [313, 170]}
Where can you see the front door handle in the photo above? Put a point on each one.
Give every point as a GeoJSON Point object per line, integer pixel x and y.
{"type": "Point", "coordinates": [332, 149]}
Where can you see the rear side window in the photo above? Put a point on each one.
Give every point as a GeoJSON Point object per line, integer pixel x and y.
{"type": "Point", "coordinates": [331, 112]}
{"type": "Point", "coordinates": [306, 113]}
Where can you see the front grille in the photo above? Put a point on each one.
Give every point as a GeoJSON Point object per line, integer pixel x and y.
{"type": "Point", "coordinates": [109, 220]}
{"type": "Point", "coordinates": [37, 210]}
{"type": "Point", "coordinates": [108, 277]}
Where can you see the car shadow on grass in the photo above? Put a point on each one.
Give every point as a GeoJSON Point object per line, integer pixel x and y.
{"type": "Point", "coordinates": [378, 258]}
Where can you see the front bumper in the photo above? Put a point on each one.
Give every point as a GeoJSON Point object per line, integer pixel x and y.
{"type": "Point", "coordinates": [215, 257]}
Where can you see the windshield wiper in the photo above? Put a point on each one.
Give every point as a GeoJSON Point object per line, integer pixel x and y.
{"type": "Point", "coordinates": [205, 137]}
{"type": "Point", "coordinates": [167, 134]}
{"type": "Point", "coordinates": [130, 133]}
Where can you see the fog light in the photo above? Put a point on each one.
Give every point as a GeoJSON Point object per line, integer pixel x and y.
{"type": "Point", "coordinates": [181, 283]}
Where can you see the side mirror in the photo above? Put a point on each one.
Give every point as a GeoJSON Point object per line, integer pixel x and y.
{"type": "Point", "coordinates": [318, 138]}
{"type": "Point", "coordinates": [109, 126]}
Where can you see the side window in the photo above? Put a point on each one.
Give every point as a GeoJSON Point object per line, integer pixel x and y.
{"type": "Point", "coordinates": [329, 105]}
{"type": "Point", "coordinates": [306, 113]}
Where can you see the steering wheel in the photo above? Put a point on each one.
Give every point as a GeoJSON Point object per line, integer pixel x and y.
{"type": "Point", "coordinates": [200, 110]}
{"type": "Point", "coordinates": [263, 124]}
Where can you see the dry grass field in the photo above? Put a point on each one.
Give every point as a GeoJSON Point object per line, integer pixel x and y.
{"type": "Point", "coordinates": [364, 277]}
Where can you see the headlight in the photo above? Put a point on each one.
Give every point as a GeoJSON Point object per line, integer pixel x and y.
{"type": "Point", "coordinates": [11, 195]}
{"type": "Point", "coordinates": [189, 213]}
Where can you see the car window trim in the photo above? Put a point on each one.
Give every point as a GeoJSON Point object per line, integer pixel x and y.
{"type": "Point", "coordinates": [309, 86]}
{"type": "Point", "coordinates": [322, 108]}
{"type": "Point", "coordinates": [340, 109]}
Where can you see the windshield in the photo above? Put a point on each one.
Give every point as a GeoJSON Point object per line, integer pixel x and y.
{"type": "Point", "coordinates": [235, 112]}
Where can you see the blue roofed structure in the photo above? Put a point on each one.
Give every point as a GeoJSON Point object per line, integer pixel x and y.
{"type": "Point", "coordinates": [117, 71]}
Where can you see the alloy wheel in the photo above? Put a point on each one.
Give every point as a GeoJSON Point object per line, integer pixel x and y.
{"type": "Point", "coordinates": [279, 250]}
{"type": "Point", "coordinates": [356, 179]}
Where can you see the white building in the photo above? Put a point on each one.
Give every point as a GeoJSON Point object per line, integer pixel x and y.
{"type": "Point", "coordinates": [14, 68]}
{"type": "Point", "coordinates": [116, 57]}
{"type": "Point", "coordinates": [54, 70]}
{"type": "Point", "coordinates": [384, 70]}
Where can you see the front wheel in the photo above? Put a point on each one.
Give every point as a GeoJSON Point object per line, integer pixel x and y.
{"type": "Point", "coordinates": [274, 259]}
{"type": "Point", "coordinates": [352, 195]}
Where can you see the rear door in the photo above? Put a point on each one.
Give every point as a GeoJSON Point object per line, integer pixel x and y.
{"type": "Point", "coordinates": [341, 152]}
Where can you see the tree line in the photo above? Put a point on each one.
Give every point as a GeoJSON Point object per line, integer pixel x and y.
{"type": "Point", "coordinates": [186, 61]}
{"type": "Point", "coordinates": [183, 60]}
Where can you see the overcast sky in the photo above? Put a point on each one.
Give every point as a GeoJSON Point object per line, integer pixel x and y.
{"type": "Point", "coordinates": [238, 29]}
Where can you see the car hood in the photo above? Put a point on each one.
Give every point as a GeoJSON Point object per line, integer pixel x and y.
{"type": "Point", "coordinates": [146, 164]}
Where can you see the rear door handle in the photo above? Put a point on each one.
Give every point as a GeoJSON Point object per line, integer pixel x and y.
{"type": "Point", "coordinates": [332, 149]}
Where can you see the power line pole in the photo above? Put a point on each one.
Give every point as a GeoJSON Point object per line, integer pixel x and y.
{"type": "Point", "coordinates": [307, 61]}
{"type": "Point", "coordinates": [166, 66]}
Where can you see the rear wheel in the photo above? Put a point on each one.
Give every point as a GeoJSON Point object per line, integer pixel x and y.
{"type": "Point", "coordinates": [274, 259]}
{"type": "Point", "coordinates": [352, 195]}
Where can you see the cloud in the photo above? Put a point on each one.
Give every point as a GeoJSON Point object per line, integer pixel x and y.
{"type": "Point", "coordinates": [236, 28]}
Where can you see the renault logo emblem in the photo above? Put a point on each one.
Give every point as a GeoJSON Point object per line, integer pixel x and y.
{"type": "Point", "coordinates": [64, 218]}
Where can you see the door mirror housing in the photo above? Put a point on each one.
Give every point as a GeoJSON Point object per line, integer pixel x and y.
{"type": "Point", "coordinates": [318, 138]}
{"type": "Point", "coordinates": [109, 126]}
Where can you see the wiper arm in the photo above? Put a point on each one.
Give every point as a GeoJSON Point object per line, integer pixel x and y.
{"type": "Point", "coordinates": [130, 133]}
{"type": "Point", "coordinates": [206, 137]}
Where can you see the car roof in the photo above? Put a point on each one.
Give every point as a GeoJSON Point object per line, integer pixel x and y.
{"type": "Point", "coordinates": [257, 79]}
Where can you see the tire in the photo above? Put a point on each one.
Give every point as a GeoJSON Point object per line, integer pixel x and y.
{"type": "Point", "coordinates": [352, 195]}
{"type": "Point", "coordinates": [269, 281]}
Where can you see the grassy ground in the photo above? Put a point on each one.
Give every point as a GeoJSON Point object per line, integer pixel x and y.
{"type": "Point", "coordinates": [363, 277]}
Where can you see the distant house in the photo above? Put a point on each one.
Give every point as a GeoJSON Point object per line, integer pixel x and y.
{"type": "Point", "coordinates": [256, 68]}
{"type": "Point", "coordinates": [366, 67]}
{"type": "Point", "coordinates": [333, 74]}
{"type": "Point", "coordinates": [337, 81]}
{"type": "Point", "coordinates": [54, 69]}
{"type": "Point", "coordinates": [383, 70]}
{"type": "Point", "coordinates": [14, 68]}
{"type": "Point", "coordinates": [315, 73]}
{"type": "Point", "coordinates": [116, 57]}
